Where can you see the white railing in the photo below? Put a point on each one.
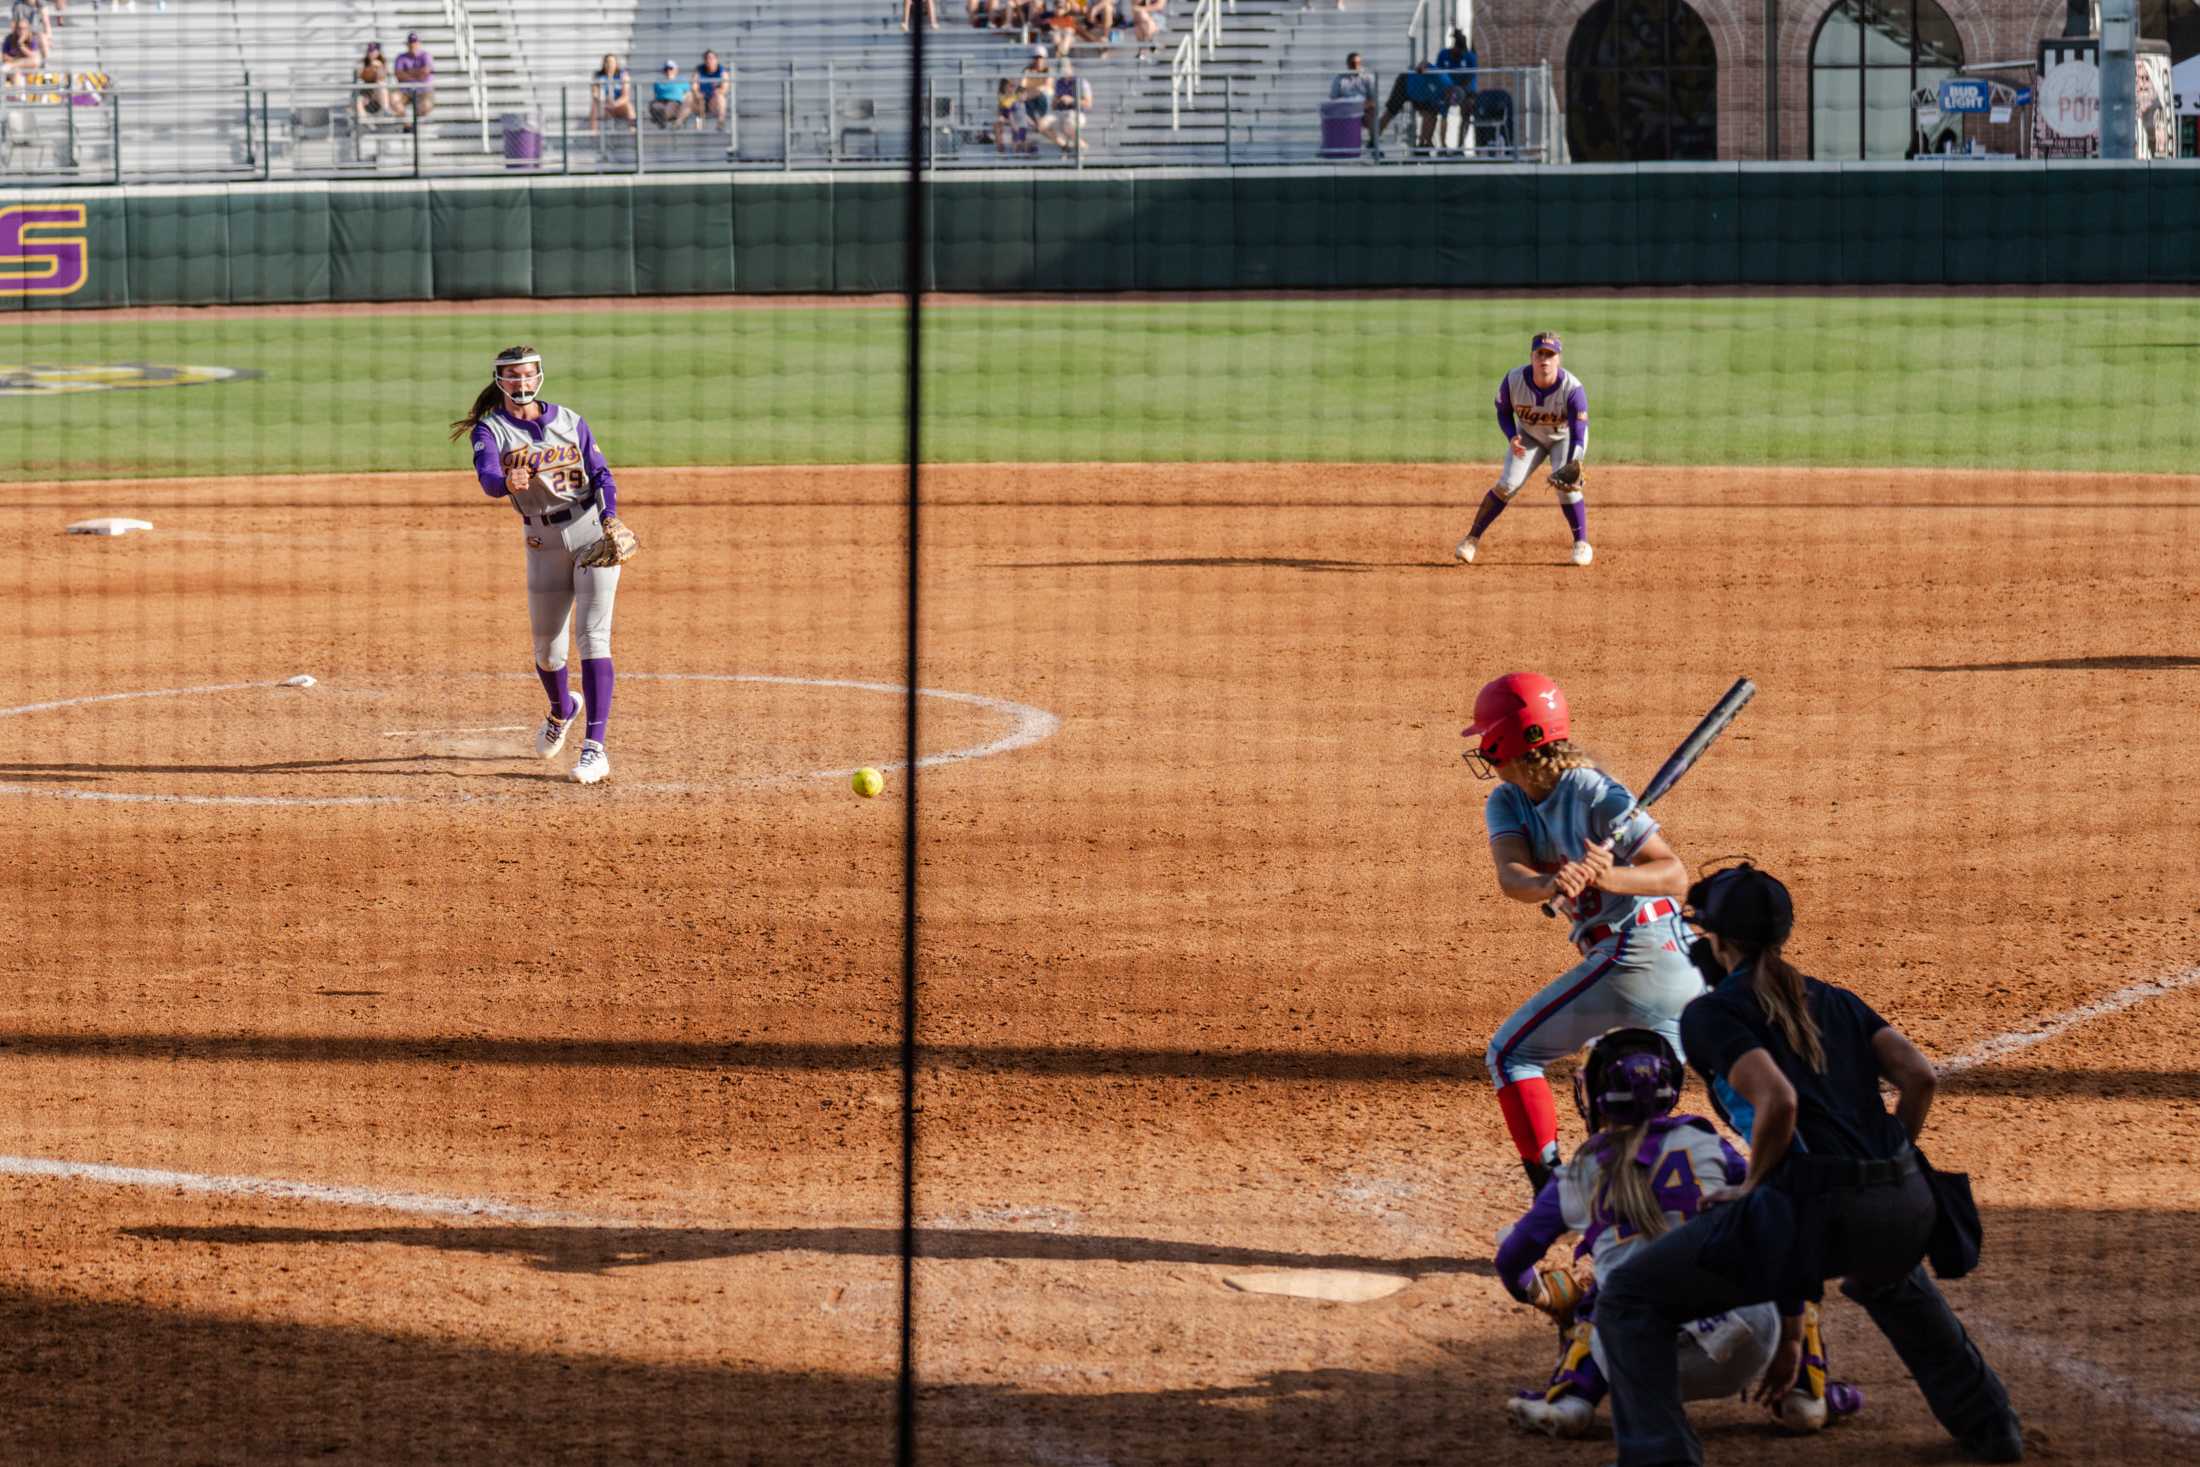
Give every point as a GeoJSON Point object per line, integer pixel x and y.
{"type": "Point", "coordinates": [469, 57]}
{"type": "Point", "coordinates": [1184, 66]}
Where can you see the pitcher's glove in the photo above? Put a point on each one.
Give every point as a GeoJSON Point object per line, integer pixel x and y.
{"type": "Point", "coordinates": [1567, 475]}
{"type": "Point", "coordinates": [617, 546]}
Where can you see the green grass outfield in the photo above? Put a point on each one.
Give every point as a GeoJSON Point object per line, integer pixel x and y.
{"type": "Point", "coordinates": [1981, 381]}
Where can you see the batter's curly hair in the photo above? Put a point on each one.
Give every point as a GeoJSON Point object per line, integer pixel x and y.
{"type": "Point", "coordinates": [1541, 767]}
{"type": "Point", "coordinates": [487, 398]}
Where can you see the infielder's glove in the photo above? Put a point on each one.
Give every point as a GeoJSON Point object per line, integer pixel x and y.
{"type": "Point", "coordinates": [617, 546]}
{"type": "Point", "coordinates": [1567, 475]}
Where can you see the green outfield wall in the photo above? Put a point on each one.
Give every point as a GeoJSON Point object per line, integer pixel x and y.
{"type": "Point", "coordinates": [1097, 229]}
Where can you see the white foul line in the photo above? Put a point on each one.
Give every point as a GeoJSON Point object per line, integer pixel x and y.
{"type": "Point", "coordinates": [2055, 1025]}
{"type": "Point", "coordinates": [2167, 1412]}
{"type": "Point", "coordinates": [419, 1203]}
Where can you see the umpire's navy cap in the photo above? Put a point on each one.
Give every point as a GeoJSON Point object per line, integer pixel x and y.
{"type": "Point", "coordinates": [1743, 904]}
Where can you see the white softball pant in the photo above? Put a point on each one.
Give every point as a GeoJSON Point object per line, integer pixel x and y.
{"type": "Point", "coordinates": [1641, 977]}
{"type": "Point", "coordinates": [1514, 471]}
{"type": "Point", "coordinates": [1706, 1379]}
{"type": "Point", "coordinates": [557, 589]}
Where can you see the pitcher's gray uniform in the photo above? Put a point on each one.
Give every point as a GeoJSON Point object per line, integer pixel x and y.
{"type": "Point", "coordinates": [562, 511]}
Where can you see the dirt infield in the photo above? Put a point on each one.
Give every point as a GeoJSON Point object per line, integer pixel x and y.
{"type": "Point", "coordinates": [477, 1116]}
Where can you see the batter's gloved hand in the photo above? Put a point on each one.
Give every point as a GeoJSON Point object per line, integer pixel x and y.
{"type": "Point", "coordinates": [617, 546]}
{"type": "Point", "coordinates": [517, 476]}
{"type": "Point", "coordinates": [1567, 475]}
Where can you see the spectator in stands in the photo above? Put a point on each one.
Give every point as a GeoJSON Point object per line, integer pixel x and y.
{"type": "Point", "coordinates": [1457, 63]}
{"type": "Point", "coordinates": [34, 14]}
{"type": "Point", "coordinates": [1012, 119]}
{"type": "Point", "coordinates": [20, 52]}
{"type": "Point", "coordinates": [1149, 18]}
{"type": "Point", "coordinates": [712, 94]}
{"type": "Point", "coordinates": [669, 96]}
{"type": "Point", "coordinates": [1069, 103]}
{"type": "Point", "coordinates": [1097, 24]}
{"type": "Point", "coordinates": [372, 99]}
{"type": "Point", "coordinates": [415, 70]}
{"type": "Point", "coordinates": [610, 94]}
{"type": "Point", "coordinates": [931, 14]}
{"type": "Point", "coordinates": [1354, 81]}
{"type": "Point", "coordinates": [1428, 93]}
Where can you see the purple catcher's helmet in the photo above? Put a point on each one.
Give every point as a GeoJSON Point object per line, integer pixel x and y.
{"type": "Point", "coordinates": [1630, 1076]}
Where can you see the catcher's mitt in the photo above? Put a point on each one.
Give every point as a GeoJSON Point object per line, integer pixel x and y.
{"type": "Point", "coordinates": [1557, 1292]}
{"type": "Point", "coordinates": [617, 546]}
{"type": "Point", "coordinates": [1568, 475]}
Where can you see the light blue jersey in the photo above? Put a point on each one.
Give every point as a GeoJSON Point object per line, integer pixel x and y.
{"type": "Point", "coordinates": [1586, 805]}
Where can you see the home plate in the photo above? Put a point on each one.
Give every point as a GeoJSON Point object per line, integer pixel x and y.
{"type": "Point", "coordinates": [110, 525]}
{"type": "Point", "coordinates": [1338, 1285]}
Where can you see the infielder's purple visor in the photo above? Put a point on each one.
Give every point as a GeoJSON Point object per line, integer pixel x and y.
{"type": "Point", "coordinates": [1545, 341]}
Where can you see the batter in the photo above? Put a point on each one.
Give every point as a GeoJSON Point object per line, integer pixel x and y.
{"type": "Point", "coordinates": [1543, 411]}
{"type": "Point", "coordinates": [543, 458]}
{"type": "Point", "coordinates": [1564, 831]}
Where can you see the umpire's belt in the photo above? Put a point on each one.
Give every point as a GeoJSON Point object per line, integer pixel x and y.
{"type": "Point", "coordinates": [560, 516]}
{"type": "Point", "coordinates": [1662, 907]}
{"type": "Point", "coordinates": [1828, 1173]}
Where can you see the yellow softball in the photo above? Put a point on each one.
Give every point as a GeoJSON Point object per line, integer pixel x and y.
{"type": "Point", "coordinates": [868, 782]}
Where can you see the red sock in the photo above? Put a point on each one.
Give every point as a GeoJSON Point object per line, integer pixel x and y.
{"type": "Point", "coordinates": [1531, 1117]}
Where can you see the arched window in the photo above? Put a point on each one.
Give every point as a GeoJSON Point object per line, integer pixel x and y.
{"type": "Point", "coordinates": [1642, 84]}
{"type": "Point", "coordinates": [1869, 58]}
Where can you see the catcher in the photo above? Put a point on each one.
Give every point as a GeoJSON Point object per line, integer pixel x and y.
{"type": "Point", "coordinates": [1543, 411]}
{"type": "Point", "coordinates": [544, 459]}
{"type": "Point", "coordinates": [1643, 1171]}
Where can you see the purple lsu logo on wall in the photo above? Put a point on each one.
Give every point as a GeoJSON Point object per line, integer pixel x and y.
{"type": "Point", "coordinates": [43, 249]}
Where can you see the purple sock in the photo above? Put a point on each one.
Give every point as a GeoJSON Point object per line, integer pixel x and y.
{"type": "Point", "coordinates": [559, 687]}
{"type": "Point", "coordinates": [596, 689]}
{"type": "Point", "coordinates": [1492, 507]}
{"type": "Point", "coordinates": [1577, 517]}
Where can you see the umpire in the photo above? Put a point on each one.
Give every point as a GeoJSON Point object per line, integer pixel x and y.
{"type": "Point", "coordinates": [1834, 1190]}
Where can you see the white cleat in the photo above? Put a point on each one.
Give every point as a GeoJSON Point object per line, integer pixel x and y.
{"type": "Point", "coordinates": [1582, 553]}
{"type": "Point", "coordinates": [595, 764]}
{"type": "Point", "coordinates": [551, 736]}
{"type": "Point", "coordinates": [1466, 548]}
{"type": "Point", "coordinates": [1801, 1412]}
{"type": "Point", "coordinates": [1567, 1417]}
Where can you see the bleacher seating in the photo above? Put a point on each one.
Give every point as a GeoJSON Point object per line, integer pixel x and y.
{"type": "Point", "coordinates": [237, 88]}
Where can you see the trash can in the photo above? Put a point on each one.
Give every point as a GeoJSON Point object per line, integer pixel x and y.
{"type": "Point", "coordinates": [1342, 128]}
{"type": "Point", "coordinates": [522, 141]}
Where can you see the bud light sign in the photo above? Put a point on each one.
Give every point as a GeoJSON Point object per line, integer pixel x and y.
{"type": "Point", "coordinates": [1965, 96]}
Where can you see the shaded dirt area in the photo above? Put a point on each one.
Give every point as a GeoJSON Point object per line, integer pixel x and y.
{"type": "Point", "coordinates": [599, 1085]}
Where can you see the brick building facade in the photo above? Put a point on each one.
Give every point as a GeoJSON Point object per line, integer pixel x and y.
{"type": "Point", "coordinates": [1703, 63]}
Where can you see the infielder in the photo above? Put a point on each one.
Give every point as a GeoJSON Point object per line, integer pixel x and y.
{"type": "Point", "coordinates": [1543, 411]}
{"type": "Point", "coordinates": [1642, 1172]}
{"type": "Point", "coordinates": [545, 460]}
{"type": "Point", "coordinates": [1563, 830]}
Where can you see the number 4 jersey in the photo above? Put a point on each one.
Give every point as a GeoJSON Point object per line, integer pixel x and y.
{"type": "Point", "coordinates": [569, 468]}
{"type": "Point", "coordinates": [1686, 1158]}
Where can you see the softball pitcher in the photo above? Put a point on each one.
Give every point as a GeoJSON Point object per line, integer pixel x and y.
{"type": "Point", "coordinates": [1543, 411]}
{"type": "Point", "coordinates": [544, 459]}
{"type": "Point", "coordinates": [1562, 830]}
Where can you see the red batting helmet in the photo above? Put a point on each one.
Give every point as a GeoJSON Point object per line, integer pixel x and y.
{"type": "Point", "coordinates": [1513, 714]}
